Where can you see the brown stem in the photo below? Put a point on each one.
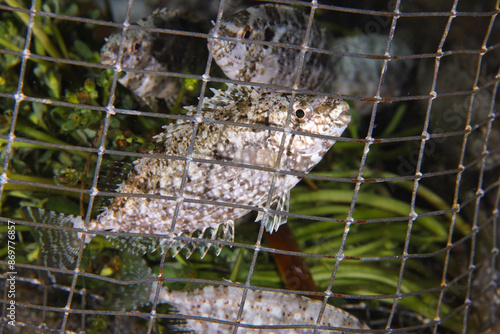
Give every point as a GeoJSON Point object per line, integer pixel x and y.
{"type": "Point", "coordinates": [293, 269]}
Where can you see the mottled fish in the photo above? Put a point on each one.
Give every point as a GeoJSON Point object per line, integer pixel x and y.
{"type": "Point", "coordinates": [262, 308]}
{"type": "Point", "coordinates": [230, 151]}
{"type": "Point", "coordinates": [153, 51]}
{"type": "Point", "coordinates": [213, 309]}
{"type": "Point", "coordinates": [242, 59]}
{"type": "Point", "coordinates": [352, 75]}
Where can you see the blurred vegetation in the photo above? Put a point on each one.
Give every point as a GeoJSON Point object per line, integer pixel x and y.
{"type": "Point", "coordinates": [77, 126]}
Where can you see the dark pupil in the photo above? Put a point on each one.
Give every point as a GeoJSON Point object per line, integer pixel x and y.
{"type": "Point", "coordinates": [137, 46]}
{"type": "Point", "coordinates": [300, 113]}
{"type": "Point", "coordinates": [247, 33]}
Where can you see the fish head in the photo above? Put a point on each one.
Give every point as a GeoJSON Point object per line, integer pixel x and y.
{"type": "Point", "coordinates": [135, 46]}
{"type": "Point", "coordinates": [263, 44]}
{"type": "Point", "coordinates": [254, 44]}
{"type": "Point", "coordinates": [313, 123]}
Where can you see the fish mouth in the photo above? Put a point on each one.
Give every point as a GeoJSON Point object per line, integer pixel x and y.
{"type": "Point", "coordinates": [106, 60]}
{"type": "Point", "coordinates": [215, 47]}
{"type": "Point", "coordinates": [340, 118]}
{"type": "Point", "coordinates": [344, 105]}
{"type": "Point", "coordinates": [214, 43]}
{"type": "Point", "coordinates": [217, 50]}
{"type": "Point", "coordinates": [340, 113]}
{"type": "Point", "coordinates": [345, 117]}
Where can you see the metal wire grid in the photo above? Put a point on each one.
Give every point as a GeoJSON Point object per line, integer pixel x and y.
{"type": "Point", "coordinates": [369, 140]}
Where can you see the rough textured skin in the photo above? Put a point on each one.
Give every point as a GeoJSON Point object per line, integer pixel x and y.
{"type": "Point", "coordinates": [240, 126]}
{"type": "Point", "coordinates": [269, 64]}
{"type": "Point", "coordinates": [256, 147]}
{"type": "Point", "coordinates": [158, 52]}
{"type": "Point", "coordinates": [347, 75]}
{"type": "Point", "coordinates": [263, 308]}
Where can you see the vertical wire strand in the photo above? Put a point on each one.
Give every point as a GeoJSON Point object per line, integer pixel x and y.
{"type": "Point", "coordinates": [277, 164]}
{"type": "Point", "coordinates": [19, 97]}
{"type": "Point", "coordinates": [418, 174]}
{"type": "Point", "coordinates": [479, 192]}
{"type": "Point", "coordinates": [205, 80]}
{"type": "Point", "coordinates": [369, 140]}
{"type": "Point", "coordinates": [494, 278]}
{"type": "Point", "coordinates": [101, 148]}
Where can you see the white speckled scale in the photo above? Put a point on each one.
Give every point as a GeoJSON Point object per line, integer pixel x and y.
{"type": "Point", "coordinates": [262, 308]}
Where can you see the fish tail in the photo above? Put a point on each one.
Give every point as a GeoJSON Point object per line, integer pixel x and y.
{"type": "Point", "coordinates": [59, 248]}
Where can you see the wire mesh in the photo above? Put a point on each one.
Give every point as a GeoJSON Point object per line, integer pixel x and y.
{"type": "Point", "coordinates": [398, 224]}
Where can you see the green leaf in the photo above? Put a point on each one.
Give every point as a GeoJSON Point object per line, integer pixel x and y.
{"type": "Point", "coordinates": [63, 205]}
{"type": "Point", "coordinates": [83, 49]}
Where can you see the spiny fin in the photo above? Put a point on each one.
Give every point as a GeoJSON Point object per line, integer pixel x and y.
{"type": "Point", "coordinates": [202, 242]}
{"type": "Point", "coordinates": [272, 221]}
{"type": "Point", "coordinates": [224, 232]}
{"type": "Point", "coordinates": [111, 175]}
{"type": "Point", "coordinates": [58, 248]}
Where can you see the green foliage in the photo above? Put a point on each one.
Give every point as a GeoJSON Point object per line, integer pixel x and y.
{"type": "Point", "coordinates": [43, 122]}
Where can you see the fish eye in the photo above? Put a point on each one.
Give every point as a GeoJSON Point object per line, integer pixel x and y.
{"type": "Point", "coordinates": [301, 112]}
{"type": "Point", "coordinates": [245, 33]}
{"type": "Point", "coordinates": [136, 47]}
